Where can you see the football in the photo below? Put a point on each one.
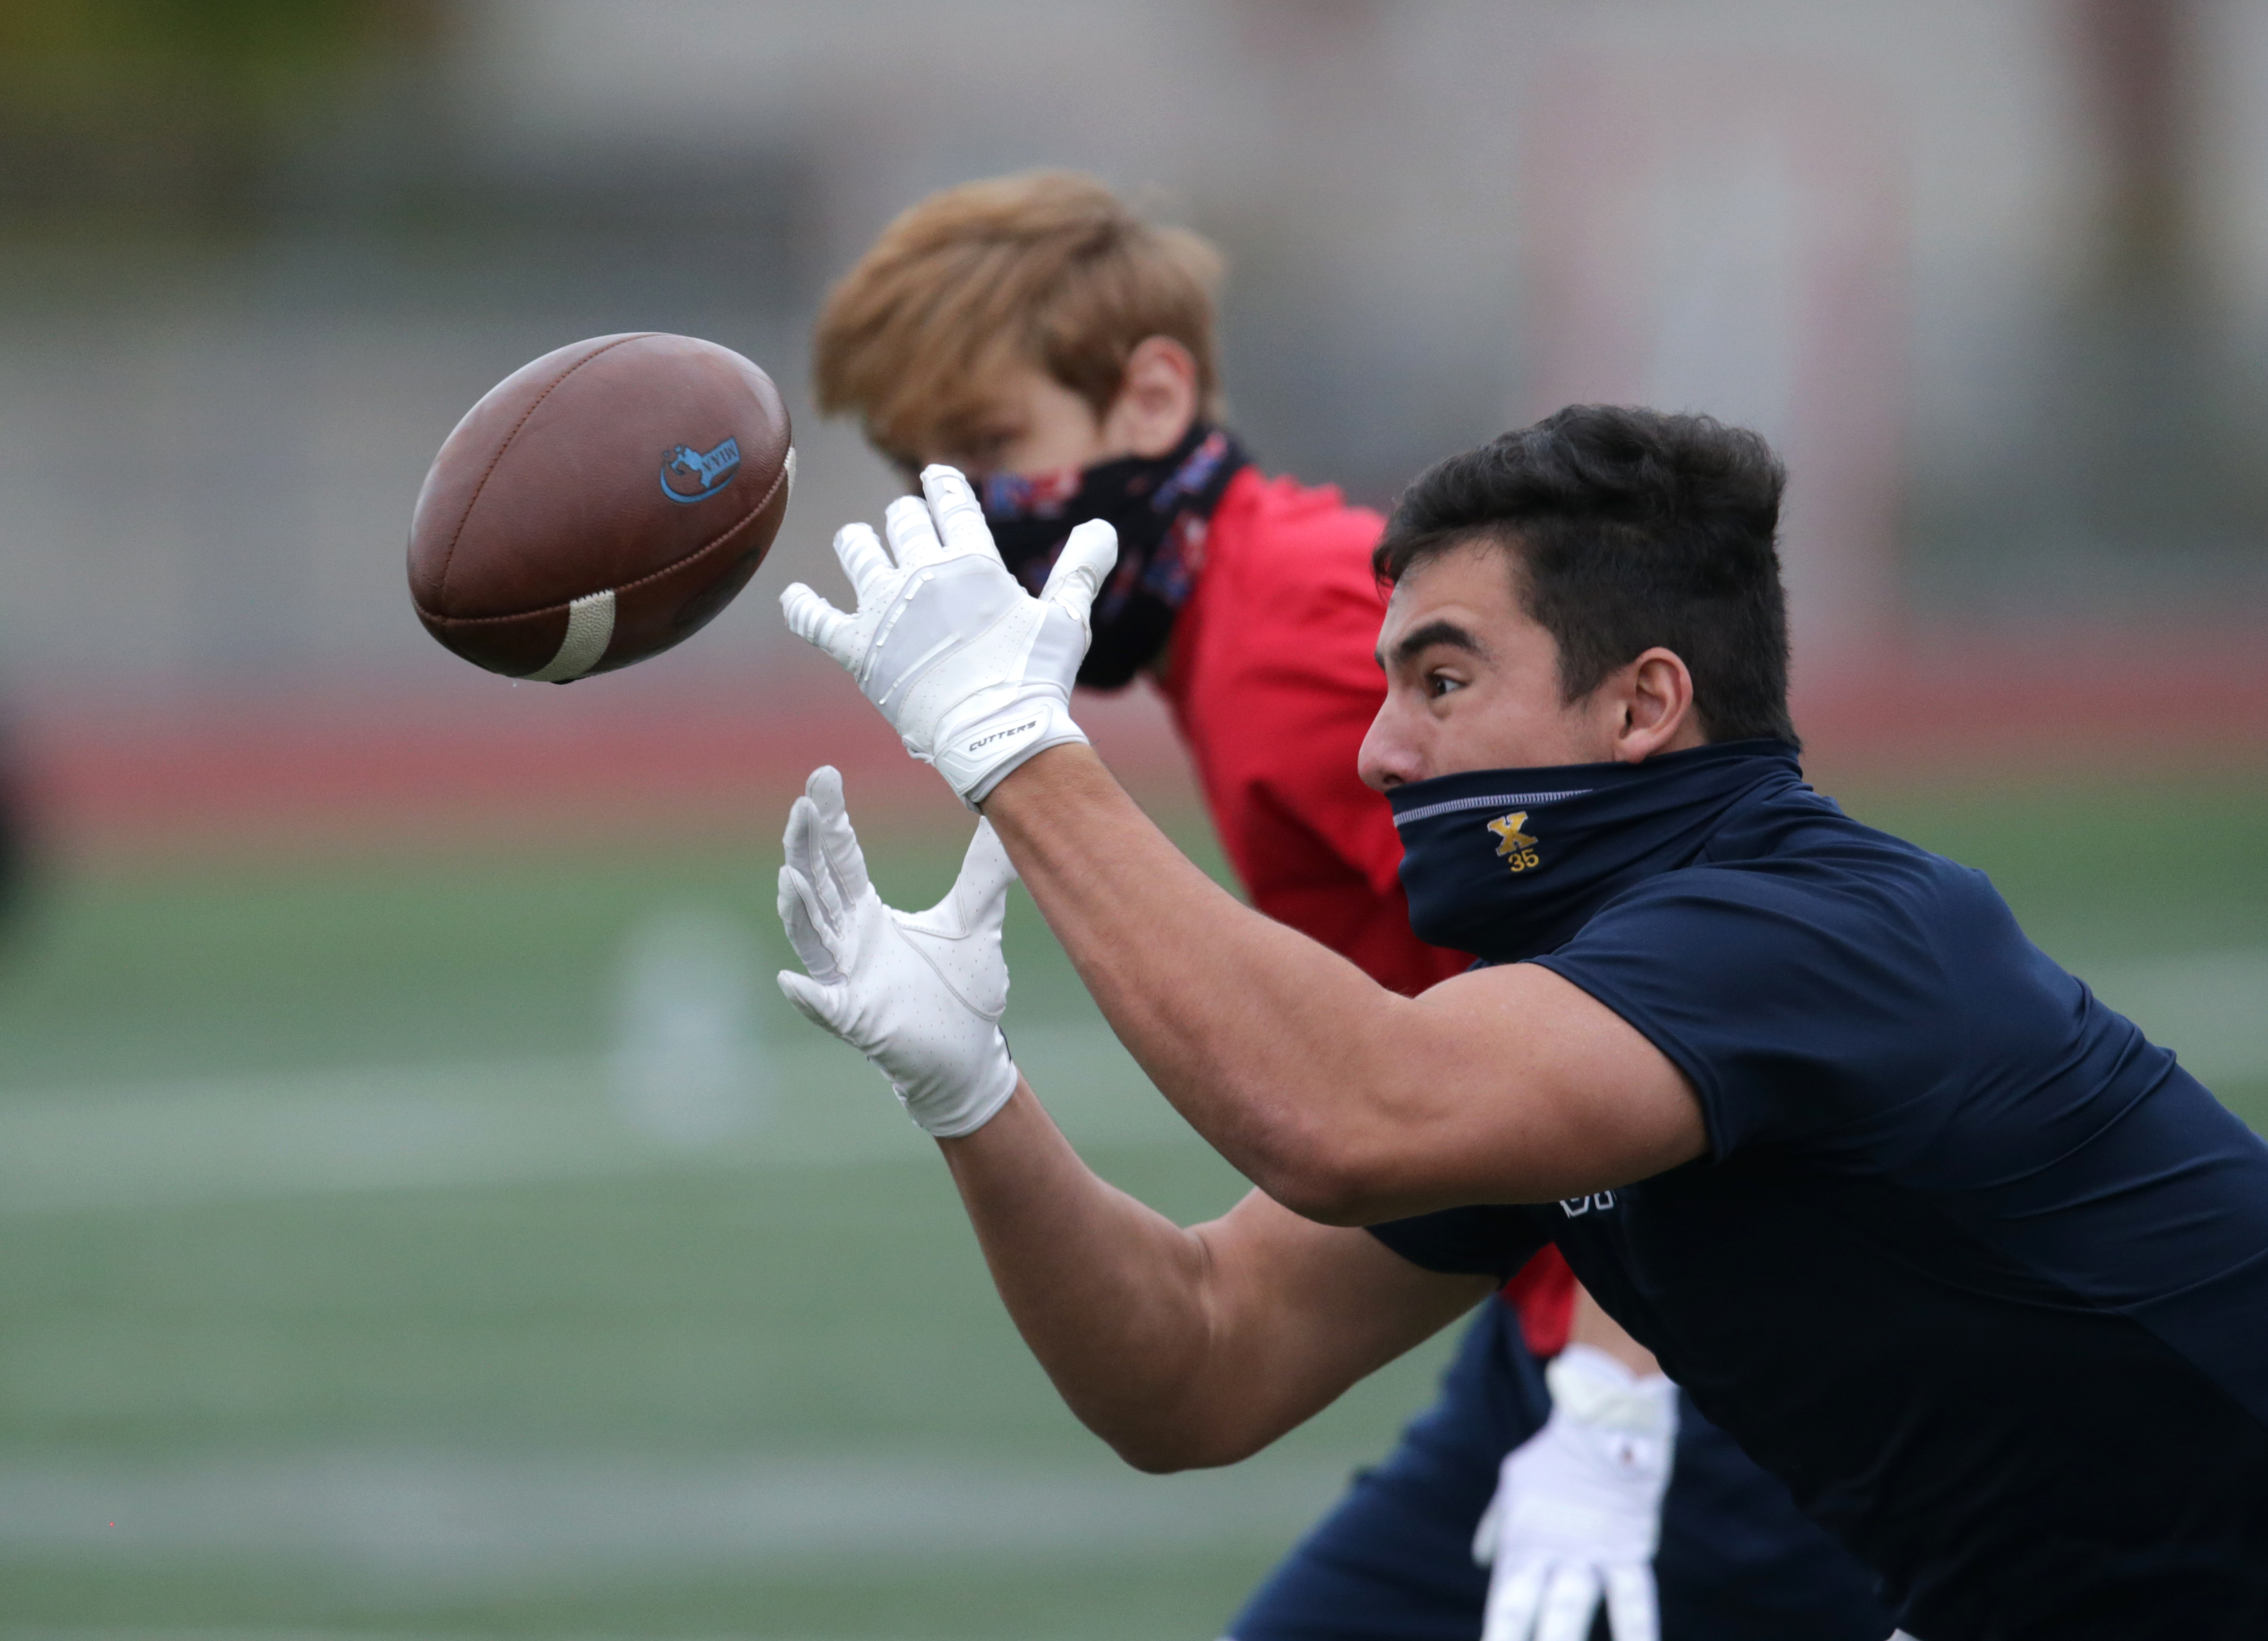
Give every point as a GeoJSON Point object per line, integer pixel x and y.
{"type": "Point", "coordinates": [599, 504]}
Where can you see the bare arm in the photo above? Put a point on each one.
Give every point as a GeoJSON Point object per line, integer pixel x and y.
{"type": "Point", "coordinates": [1342, 1101]}
{"type": "Point", "coordinates": [1593, 1327]}
{"type": "Point", "coordinates": [1183, 1348]}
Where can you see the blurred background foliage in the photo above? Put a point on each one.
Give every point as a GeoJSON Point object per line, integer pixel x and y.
{"type": "Point", "coordinates": [183, 114]}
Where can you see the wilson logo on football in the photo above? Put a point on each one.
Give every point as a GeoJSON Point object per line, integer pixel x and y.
{"type": "Point", "coordinates": [693, 476]}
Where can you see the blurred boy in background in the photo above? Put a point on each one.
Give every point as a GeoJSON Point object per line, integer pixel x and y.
{"type": "Point", "coordinates": [1037, 335]}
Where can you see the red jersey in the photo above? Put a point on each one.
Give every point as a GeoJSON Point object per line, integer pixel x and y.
{"type": "Point", "coordinates": [1273, 680]}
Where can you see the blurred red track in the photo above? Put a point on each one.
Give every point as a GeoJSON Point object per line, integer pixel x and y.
{"type": "Point", "coordinates": [2073, 703]}
{"type": "Point", "coordinates": [488, 763]}
{"type": "Point", "coordinates": [337, 771]}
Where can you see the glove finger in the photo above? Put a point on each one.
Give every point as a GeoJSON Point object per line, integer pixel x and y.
{"type": "Point", "coordinates": [1081, 568]}
{"type": "Point", "coordinates": [1485, 1531]}
{"type": "Point", "coordinates": [959, 518]}
{"type": "Point", "coordinates": [978, 899]}
{"type": "Point", "coordinates": [1568, 1601]}
{"type": "Point", "coordinates": [1514, 1595]}
{"type": "Point", "coordinates": [822, 1005]}
{"type": "Point", "coordinates": [813, 620]}
{"type": "Point", "coordinates": [798, 842]}
{"type": "Point", "coordinates": [863, 560]}
{"type": "Point", "coordinates": [986, 872]}
{"type": "Point", "coordinates": [845, 858]}
{"type": "Point", "coordinates": [912, 532]}
{"type": "Point", "coordinates": [1633, 1612]}
{"type": "Point", "coordinates": [807, 926]}
{"type": "Point", "coordinates": [805, 855]}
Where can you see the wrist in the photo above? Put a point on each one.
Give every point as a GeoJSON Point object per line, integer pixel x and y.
{"type": "Point", "coordinates": [991, 746]}
{"type": "Point", "coordinates": [956, 1111]}
{"type": "Point", "coordinates": [998, 1121]}
{"type": "Point", "coordinates": [1591, 1387]}
{"type": "Point", "coordinates": [1047, 780]}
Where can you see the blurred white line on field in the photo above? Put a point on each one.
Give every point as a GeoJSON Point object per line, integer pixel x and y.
{"type": "Point", "coordinates": [471, 1521]}
{"type": "Point", "coordinates": [187, 1141]}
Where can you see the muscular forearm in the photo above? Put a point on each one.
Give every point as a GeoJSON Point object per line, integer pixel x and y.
{"type": "Point", "coordinates": [1590, 1325]}
{"type": "Point", "coordinates": [1107, 1292]}
{"type": "Point", "coordinates": [1183, 1348]}
{"type": "Point", "coordinates": [1231, 1014]}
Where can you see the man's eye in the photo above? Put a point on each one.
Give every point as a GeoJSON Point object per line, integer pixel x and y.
{"type": "Point", "coordinates": [1439, 684]}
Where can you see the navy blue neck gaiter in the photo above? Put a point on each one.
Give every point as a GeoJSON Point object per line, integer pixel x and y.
{"type": "Point", "coordinates": [1509, 864]}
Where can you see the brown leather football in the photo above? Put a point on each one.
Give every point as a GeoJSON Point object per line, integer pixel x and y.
{"type": "Point", "coordinates": [601, 505]}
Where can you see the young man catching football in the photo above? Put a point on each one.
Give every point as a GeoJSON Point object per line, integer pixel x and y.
{"type": "Point", "coordinates": [1971, 1266]}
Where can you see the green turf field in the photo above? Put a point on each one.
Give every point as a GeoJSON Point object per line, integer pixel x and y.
{"type": "Point", "coordinates": [341, 1294]}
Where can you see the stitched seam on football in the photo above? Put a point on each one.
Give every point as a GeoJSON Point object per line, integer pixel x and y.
{"type": "Point", "coordinates": [670, 569]}
{"type": "Point", "coordinates": [449, 557]}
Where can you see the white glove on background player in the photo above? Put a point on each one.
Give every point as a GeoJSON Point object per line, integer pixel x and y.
{"type": "Point", "coordinates": [973, 673]}
{"type": "Point", "coordinates": [1578, 1507]}
{"type": "Point", "coordinates": [920, 993]}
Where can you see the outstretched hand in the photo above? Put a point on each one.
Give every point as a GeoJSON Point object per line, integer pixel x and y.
{"type": "Point", "coordinates": [1577, 1508]}
{"type": "Point", "coordinates": [973, 671]}
{"type": "Point", "coordinates": [920, 993]}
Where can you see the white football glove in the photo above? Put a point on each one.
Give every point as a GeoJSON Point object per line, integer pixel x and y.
{"type": "Point", "coordinates": [920, 993]}
{"type": "Point", "coordinates": [973, 673]}
{"type": "Point", "coordinates": [1578, 1507]}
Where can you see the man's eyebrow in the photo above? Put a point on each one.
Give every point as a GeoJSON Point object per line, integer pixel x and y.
{"type": "Point", "coordinates": [1435, 632]}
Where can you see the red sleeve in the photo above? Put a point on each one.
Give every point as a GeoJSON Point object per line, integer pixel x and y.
{"type": "Point", "coordinates": [1543, 1291]}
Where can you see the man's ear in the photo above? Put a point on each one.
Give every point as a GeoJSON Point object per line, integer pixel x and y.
{"type": "Point", "coordinates": [1655, 695]}
{"type": "Point", "coordinates": [1156, 402]}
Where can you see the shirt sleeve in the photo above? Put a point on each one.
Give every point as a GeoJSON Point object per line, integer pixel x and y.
{"type": "Point", "coordinates": [1799, 1017]}
{"type": "Point", "coordinates": [1465, 1241]}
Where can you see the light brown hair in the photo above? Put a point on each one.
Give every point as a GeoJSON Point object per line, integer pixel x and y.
{"type": "Point", "coordinates": [1048, 268]}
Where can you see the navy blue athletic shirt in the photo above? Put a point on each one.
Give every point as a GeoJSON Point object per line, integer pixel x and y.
{"type": "Point", "coordinates": [1978, 1270]}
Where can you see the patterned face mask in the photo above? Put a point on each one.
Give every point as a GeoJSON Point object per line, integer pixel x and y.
{"type": "Point", "coordinates": [1161, 507]}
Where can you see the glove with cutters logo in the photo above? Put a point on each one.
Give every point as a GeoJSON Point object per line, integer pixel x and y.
{"type": "Point", "coordinates": [920, 993]}
{"type": "Point", "coordinates": [1577, 1508]}
{"type": "Point", "coordinates": [973, 673]}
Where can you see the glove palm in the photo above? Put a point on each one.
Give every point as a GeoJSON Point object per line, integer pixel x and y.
{"type": "Point", "coordinates": [920, 993]}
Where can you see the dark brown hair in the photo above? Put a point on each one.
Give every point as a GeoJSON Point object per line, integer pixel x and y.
{"type": "Point", "coordinates": [1628, 528]}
